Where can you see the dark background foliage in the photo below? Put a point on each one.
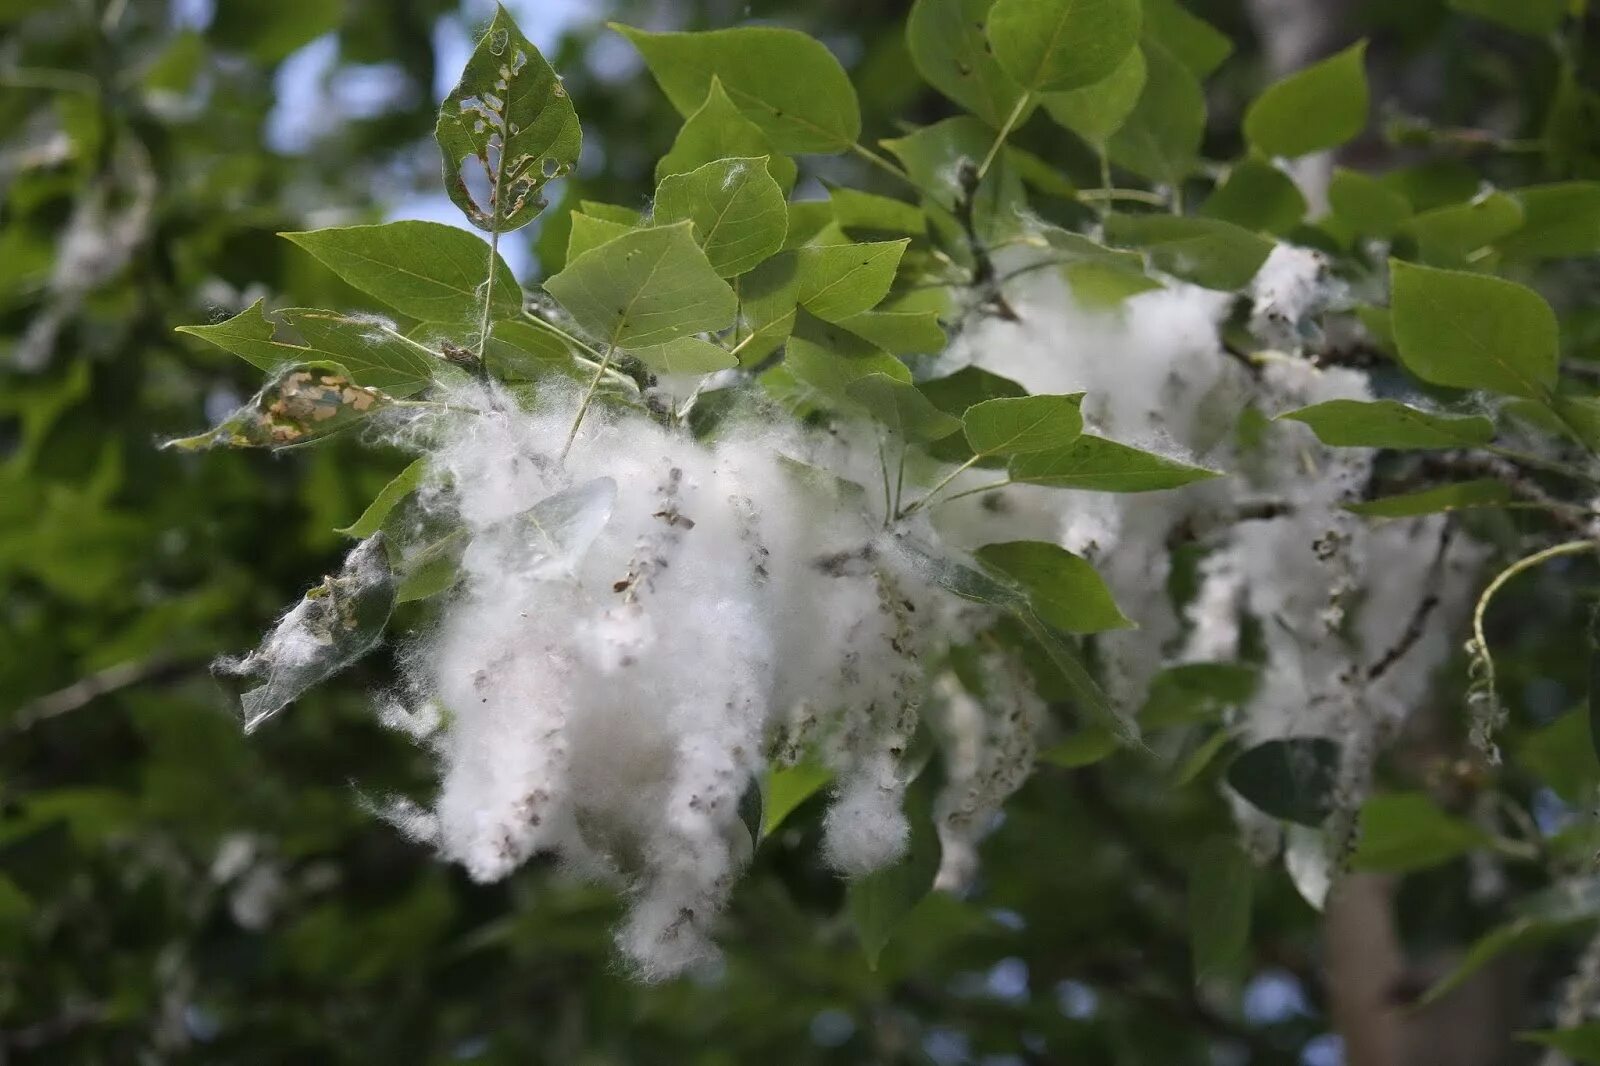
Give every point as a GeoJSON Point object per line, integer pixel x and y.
{"type": "Point", "coordinates": [172, 892]}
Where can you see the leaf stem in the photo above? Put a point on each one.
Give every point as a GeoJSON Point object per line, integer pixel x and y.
{"type": "Point", "coordinates": [1539, 463]}
{"type": "Point", "coordinates": [917, 505]}
{"type": "Point", "coordinates": [1005, 130]}
{"type": "Point", "coordinates": [981, 488]}
{"type": "Point", "coordinates": [881, 163]}
{"type": "Point", "coordinates": [488, 294]}
{"type": "Point", "coordinates": [1138, 196]}
{"type": "Point", "coordinates": [588, 398]}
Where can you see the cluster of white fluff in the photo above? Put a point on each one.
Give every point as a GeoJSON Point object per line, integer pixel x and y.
{"type": "Point", "coordinates": [638, 630]}
{"type": "Point", "coordinates": [1338, 598]}
{"type": "Point", "coordinates": [645, 624]}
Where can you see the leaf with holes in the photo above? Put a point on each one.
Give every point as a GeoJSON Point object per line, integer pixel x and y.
{"type": "Point", "coordinates": [505, 130]}
{"type": "Point", "coordinates": [301, 404]}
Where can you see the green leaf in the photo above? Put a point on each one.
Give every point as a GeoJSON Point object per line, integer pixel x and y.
{"type": "Point", "coordinates": [1204, 754]}
{"type": "Point", "coordinates": [510, 116]}
{"type": "Point", "coordinates": [623, 216]}
{"type": "Point", "coordinates": [840, 280]}
{"type": "Point", "coordinates": [645, 288]}
{"type": "Point", "coordinates": [983, 586]}
{"type": "Point", "coordinates": [1206, 251]}
{"type": "Point", "coordinates": [333, 625]}
{"type": "Point", "coordinates": [1194, 42]}
{"type": "Point", "coordinates": [1220, 886]}
{"type": "Point", "coordinates": [1321, 106]}
{"type": "Point", "coordinates": [1537, 18]}
{"type": "Point", "coordinates": [301, 404]}
{"type": "Point", "coordinates": [1084, 748]}
{"type": "Point", "coordinates": [1518, 934]}
{"type": "Point", "coordinates": [1197, 692]}
{"type": "Point", "coordinates": [898, 405]}
{"type": "Point", "coordinates": [880, 901]}
{"type": "Point", "coordinates": [787, 788]}
{"type": "Point", "coordinates": [1558, 221]}
{"type": "Point", "coordinates": [899, 330]}
{"type": "Point", "coordinates": [1057, 45]}
{"type": "Point", "coordinates": [1257, 196]}
{"type": "Point", "coordinates": [1562, 755]}
{"type": "Point", "coordinates": [372, 519]}
{"type": "Point", "coordinates": [719, 130]}
{"type": "Point", "coordinates": [1105, 284]}
{"type": "Point", "coordinates": [1065, 590]}
{"type": "Point", "coordinates": [1023, 424]}
{"type": "Point", "coordinates": [427, 270]}
{"type": "Point", "coordinates": [1366, 204]}
{"type": "Point", "coordinates": [1470, 331]}
{"type": "Point", "coordinates": [1581, 1042]}
{"type": "Point", "coordinates": [1388, 424]}
{"type": "Point", "coordinates": [1449, 235]}
{"type": "Point", "coordinates": [1101, 465]}
{"type": "Point", "coordinates": [374, 354]}
{"type": "Point", "coordinates": [518, 350]}
{"type": "Point", "coordinates": [685, 355]}
{"type": "Point", "coordinates": [738, 211]}
{"type": "Point", "coordinates": [590, 232]}
{"type": "Point", "coordinates": [949, 48]}
{"type": "Point", "coordinates": [933, 157]}
{"type": "Point", "coordinates": [1459, 496]}
{"type": "Point", "coordinates": [1405, 831]}
{"type": "Point", "coordinates": [1160, 138]}
{"type": "Point", "coordinates": [877, 215]}
{"type": "Point", "coordinates": [1095, 112]}
{"type": "Point", "coordinates": [768, 298]}
{"type": "Point", "coordinates": [969, 386]}
{"type": "Point", "coordinates": [833, 368]}
{"type": "Point", "coordinates": [1291, 779]}
{"type": "Point", "coordinates": [785, 82]}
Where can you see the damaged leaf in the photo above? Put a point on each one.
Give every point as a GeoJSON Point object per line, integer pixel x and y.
{"type": "Point", "coordinates": [506, 130]}
{"type": "Point", "coordinates": [332, 626]}
{"type": "Point", "coordinates": [300, 405]}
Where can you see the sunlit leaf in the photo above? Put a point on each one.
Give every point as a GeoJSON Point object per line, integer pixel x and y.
{"type": "Point", "coordinates": [736, 207]}
{"type": "Point", "coordinates": [505, 130]}
{"type": "Point", "coordinates": [645, 288]}
{"type": "Point", "coordinates": [785, 82]}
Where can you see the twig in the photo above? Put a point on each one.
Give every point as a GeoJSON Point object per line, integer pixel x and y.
{"type": "Point", "coordinates": [86, 690]}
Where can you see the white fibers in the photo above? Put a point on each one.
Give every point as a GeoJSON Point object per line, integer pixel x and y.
{"type": "Point", "coordinates": [634, 627]}
{"type": "Point", "coordinates": [641, 626]}
{"type": "Point", "coordinates": [1355, 615]}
